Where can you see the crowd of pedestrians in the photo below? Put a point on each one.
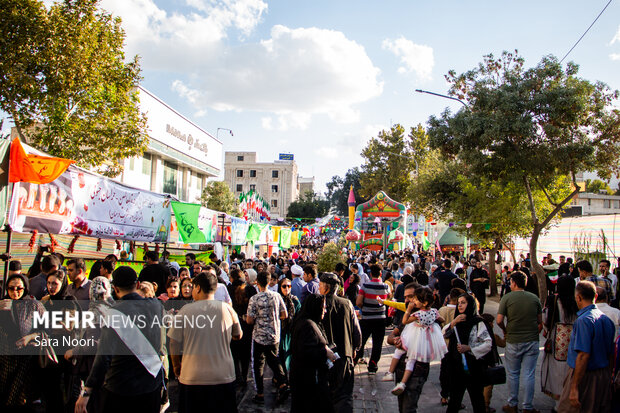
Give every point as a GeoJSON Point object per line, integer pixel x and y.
{"type": "Point", "coordinates": [310, 329]}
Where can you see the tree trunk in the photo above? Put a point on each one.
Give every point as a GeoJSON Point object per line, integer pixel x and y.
{"type": "Point", "coordinates": [493, 270]}
{"type": "Point", "coordinates": [512, 252]}
{"type": "Point", "coordinates": [535, 266]}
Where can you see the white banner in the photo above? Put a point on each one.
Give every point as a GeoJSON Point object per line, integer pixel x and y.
{"type": "Point", "coordinates": [82, 203]}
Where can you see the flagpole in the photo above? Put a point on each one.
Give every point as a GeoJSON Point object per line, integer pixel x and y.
{"type": "Point", "coordinates": [6, 257]}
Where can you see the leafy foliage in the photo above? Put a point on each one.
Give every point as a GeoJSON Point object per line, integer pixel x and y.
{"type": "Point", "coordinates": [309, 206]}
{"type": "Point", "coordinates": [338, 191]}
{"type": "Point", "coordinates": [218, 197]}
{"type": "Point", "coordinates": [597, 186]}
{"type": "Point", "coordinates": [390, 162]}
{"type": "Point", "coordinates": [329, 256]}
{"type": "Point", "coordinates": [65, 83]}
{"type": "Point", "coordinates": [523, 137]}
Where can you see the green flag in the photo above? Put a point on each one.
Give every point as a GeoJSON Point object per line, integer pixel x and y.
{"type": "Point", "coordinates": [254, 232]}
{"type": "Point", "coordinates": [425, 242]}
{"type": "Point", "coordinates": [285, 238]}
{"type": "Point", "coordinates": [187, 221]}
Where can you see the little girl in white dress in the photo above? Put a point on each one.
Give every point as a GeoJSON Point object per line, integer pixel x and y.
{"type": "Point", "coordinates": [421, 338]}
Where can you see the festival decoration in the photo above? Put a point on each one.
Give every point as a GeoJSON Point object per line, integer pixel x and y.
{"type": "Point", "coordinates": [81, 203]}
{"type": "Point", "coordinates": [34, 168]}
{"type": "Point", "coordinates": [253, 207]}
{"type": "Point", "coordinates": [353, 235]}
{"type": "Point", "coordinates": [351, 204]}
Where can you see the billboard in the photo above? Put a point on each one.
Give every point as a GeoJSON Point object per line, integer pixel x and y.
{"type": "Point", "coordinates": [286, 157]}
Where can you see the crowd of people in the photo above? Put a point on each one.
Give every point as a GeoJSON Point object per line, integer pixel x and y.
{"type": "Point", "coordinates": [310, 329]}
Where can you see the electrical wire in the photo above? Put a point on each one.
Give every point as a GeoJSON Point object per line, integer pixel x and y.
{"type": "Point", "coordinates": [582, 36]}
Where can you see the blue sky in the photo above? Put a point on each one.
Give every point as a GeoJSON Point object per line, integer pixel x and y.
{"type": "Point", "coordinates": [320, 78]}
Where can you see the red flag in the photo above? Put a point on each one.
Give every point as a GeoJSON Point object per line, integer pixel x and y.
{"type": "Point", "coordinates": [34, 168]}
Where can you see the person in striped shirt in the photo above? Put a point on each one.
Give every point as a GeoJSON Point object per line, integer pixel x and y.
{"type": "Point", "coordinates": [373, 315]}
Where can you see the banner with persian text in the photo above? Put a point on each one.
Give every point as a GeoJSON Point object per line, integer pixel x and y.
{"type": "Point", "coordinates": [81, 203]}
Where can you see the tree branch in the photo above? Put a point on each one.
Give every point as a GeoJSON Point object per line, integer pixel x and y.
{"type": "Point", "coordinates": [545, 192]}
{"type": "Point", "coordinates": [530, 198]}
{"type": "Point", "coordinates": [559, 207]}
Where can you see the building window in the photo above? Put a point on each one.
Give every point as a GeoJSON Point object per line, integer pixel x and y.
{"type": "Point", "coordinates": [239, 173]}
{"type": "Point", "coordinates": [146, 164]}
{"type": "Point", "coordinates": [170, 178]}
{"type": "Point", "coordinates": [274, 188]}
{"type": "Point", "coordinates": [589, 202]}
{"type": "Point", "coordinates": [274, 174]}
{"type": "Point", "coordinates": [274, 203]}
{"type": "Point", "coordinates": [252, 173]}
{"type": "Point", "coordinates": [252, 187]}
{"type": "Point", "coordinates": [240, 158]}
{"type": "Point", "coordinates": [132, 163]}
{"type": "Point", "coordinates": [199, 182]}
{"type": "Point", "coordinates": [606, 203]}
{"type": "Point", "coordinates": [239, 188]}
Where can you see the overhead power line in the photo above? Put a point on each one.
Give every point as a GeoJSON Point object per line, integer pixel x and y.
{"type": "Point", "coordinates": [582, 36]}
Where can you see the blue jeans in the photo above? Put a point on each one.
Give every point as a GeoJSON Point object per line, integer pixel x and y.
{"type": "Point", "coordinates": [521, 357]}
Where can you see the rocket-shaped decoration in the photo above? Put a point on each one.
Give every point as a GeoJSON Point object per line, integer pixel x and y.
{"type": "Point", "coordinates": [351, 203]}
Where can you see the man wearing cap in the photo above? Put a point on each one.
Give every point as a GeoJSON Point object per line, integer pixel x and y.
{"type": "Point", "coordinates": [297, 284]}
{"type": "Point", "coordinates": [342, 330]}
{"type": "Point", "coordinates": [127, 370]}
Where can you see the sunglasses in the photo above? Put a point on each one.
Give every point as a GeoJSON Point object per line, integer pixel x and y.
{"type": "Point", "coordinates": [286, 286]}
{"type": "Point", "coordinates": [15, 288]}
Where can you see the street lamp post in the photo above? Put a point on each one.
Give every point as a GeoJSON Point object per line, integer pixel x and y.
{"type": "Point", "coordinates": [441, 96]}
{"type": "Point", "coordinates": [217, 133]}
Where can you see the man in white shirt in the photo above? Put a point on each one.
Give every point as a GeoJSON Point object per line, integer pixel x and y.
{"type": "Point", "coordinates": [609, 311]}
{"type": "Point", "coordinates": [221, 293]}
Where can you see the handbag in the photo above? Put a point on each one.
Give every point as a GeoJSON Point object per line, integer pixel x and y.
{"type": "Point", "coordinates": [562, 339]}
{"type": "Point", "coordinates": [495, 373]}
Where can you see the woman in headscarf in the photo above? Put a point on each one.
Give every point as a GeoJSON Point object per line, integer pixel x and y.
{"type": "Point", "coordinates": [56, 390]}
{"type": "Point", "coordinates": [308, 377]}
{"type": "Point", "coordinates": [82, 358]}
{"type": "Point", "coordinates": [17, 365]}
{"type": "Point", "coordinates": [292, 307]}
{"type": "Point", "coordinates": [240, 293]}
{"type": "Point", "coordinates": [469, 341]}
{"type": "Point", "coordinates": [560, 308]}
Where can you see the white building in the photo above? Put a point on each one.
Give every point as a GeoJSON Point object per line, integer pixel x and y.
{"type": "Point", "coordinates": [180, 155]}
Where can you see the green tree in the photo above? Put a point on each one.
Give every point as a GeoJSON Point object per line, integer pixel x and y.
{"type": "Point", "coordinates": [218, 197]}
{"type": "Point", "coordinates": [308, 206]}
{"type": "Point", "coordinates": [533, 128]}
{"type": "Point", "coordinates": [389, 163]}
{"type": "Point", "coordinates": [338, 191]}
{"type": "Point", "coordinates": [330, 255]}
{"type": "Point", "coordinates": [597, 186]}
{"type": "Point", "coordinates": [65, 83]}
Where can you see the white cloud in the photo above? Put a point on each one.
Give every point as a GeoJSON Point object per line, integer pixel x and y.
{"type": "Point", "coordinates": [175, 41]}
{"type": "Point", "coordinates": [616, 38]}
{"type": "Point", "coordinates": [614, 56]}
{"type": "Point", "coordinates": [413, 57]}
{"type": "Point", "coordinates": [295, 74]}
{"type": "Point", "coordinates": [267, 123]}
{"type": "Point", "coordinates": [327, 152]}
{"type": "Point", "coordinates": [290, 76]}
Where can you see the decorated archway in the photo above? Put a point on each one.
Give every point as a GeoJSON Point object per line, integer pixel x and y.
{"type": "Point", "coordinates": [380, 221]}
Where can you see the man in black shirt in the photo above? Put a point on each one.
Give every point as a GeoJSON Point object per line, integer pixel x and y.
{"type": "Point", "coordinates": [127, 374]}
{"type": "Point", "coordinates": [155, 272]}
{"type": "Point", "coordinates": [444, 280]}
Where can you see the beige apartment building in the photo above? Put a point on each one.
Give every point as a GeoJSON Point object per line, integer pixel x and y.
{"type": "Point", "coordinates": [277, 181]}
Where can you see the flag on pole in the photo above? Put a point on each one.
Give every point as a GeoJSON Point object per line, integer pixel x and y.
{"type": "Point", "coordinates": [186, 216]}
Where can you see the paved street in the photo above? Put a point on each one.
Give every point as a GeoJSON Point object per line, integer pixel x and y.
{"type": "Point", "coordinates": [373, 395]}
